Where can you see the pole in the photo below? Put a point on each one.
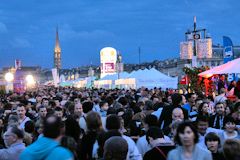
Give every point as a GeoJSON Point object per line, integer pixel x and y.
{"type": "Point", "coordinates": [194, 58]}
{"type": "Point", "coordinates": [139, 55]}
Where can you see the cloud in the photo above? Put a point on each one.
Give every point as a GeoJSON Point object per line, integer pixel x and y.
{"type": "Point", "coordinates": [3, 28]}
{"type": "Point", "coordinates": [20, 43]}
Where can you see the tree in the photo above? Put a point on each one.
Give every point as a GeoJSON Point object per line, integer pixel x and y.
{"type": "Point", "coordinates": [196, 82]}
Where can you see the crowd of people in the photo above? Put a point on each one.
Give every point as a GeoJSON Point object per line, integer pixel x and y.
{"type": "Point", "coordinates": [84, 124]}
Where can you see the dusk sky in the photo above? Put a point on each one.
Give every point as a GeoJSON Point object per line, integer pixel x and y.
{"type": "Point", "coordinates": [28, 28]}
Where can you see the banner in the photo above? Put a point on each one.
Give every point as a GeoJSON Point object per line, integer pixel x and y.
{"type": "Point", "coordinates": [228, 54]}
{"type": "Point", "coordinates": [228, 49]}
{"type": "Point", "coordinates": [108, 59]}
{"type": "Point", "coordinates": [18, 64]}
{"type": "Point", "coordinates": [55, 76]}
{"type": "Point", "coordinates": [19, 82]}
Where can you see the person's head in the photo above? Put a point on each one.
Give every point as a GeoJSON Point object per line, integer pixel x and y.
{"type": "Point", "coordinates": [78, 110]}
{"type": "Point", "coordinates": [220, 110]}
{"type": "Point", "coordinates": [112, 149]}
{"type": "Point", "coordinates": [202, 124]}
{"type": "Point", "coordinates": [64, 96]}
{"type": "Point", "coordinates": [58, 111]}
{"type": "Point", "coordinates": [12, 135]}
{"type": "Point", "coordinates": [153, 135]}
{"type": "Point", "coordinates": [113, 122]}
{"type": "Point", "coordinates": [212, 141]}
{"type": "Point", "coordinates": [76, 101]}
{"type": "Point", "coordinates": [87, 106]}
{"type": "Point", "coordinates": [169, 99]}
{"type": "Point", "coordinates": [38, 98]}
{"type": "Point", "coordinates": [149, 121]}
{"type": "Point", "coordinates": [191, 97]}
{"type": "Point", "coordinates": [57, 102]}
{"type": "Point", "coordinates": [187, 134]}
{"type": "Point", "coordinates": [229, 124]}
{"type": "Point", "coordinates": [203, 108]}
{"type": "Point", "coordinates": [21, 111]}
{"type": "Point", "coordinates": [222, 77]}
{"type": "Point", "coordinates": [222, 91]}
{"type": "Point", "coordinates": [176, 99]}
{"type": "Point", "coordinates": [228, 110]}
{"type": "Point", "coordinates": [103, 105]}
{"type": "Point", "coordinates": [177, 114]}
{"type": "Point", "coordinates": [29, 127]}
{"type": "Point", "coordinates": [231, 149]}
{"type": "Point", "coordinates": [42, 111]}
{"type": "Point", "coordinates": [123, 101]}
{"type": "Point", "coordinates": [72, 128]}
{"type": "Point", "coordinates": [155, 99]}
{"type": "Point", "coordinates": [13, 120]}
{"type": "Point", "coordinates": [198, 102]}
{"type": "Point", "coordinates": [45, 102]}
{"type": "Point", "coordinates": [93, 121]}
{"type": "Point", "coordinates": [184, 101]}
{"type": "Point", "coordinates": [233, 83]}
{"type": "Point", "coordinates": [174, 127]}
{"type": "Point", "coordinates": [103, 136]}
{"type": "Point", "coordinates": [52, 126]}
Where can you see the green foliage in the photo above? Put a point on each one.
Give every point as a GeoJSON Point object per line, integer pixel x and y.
{"type": "Point", "coordinates": [196, 82]}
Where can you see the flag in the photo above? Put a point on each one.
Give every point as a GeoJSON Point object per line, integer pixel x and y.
{"type": "Point", "coordinates": [184, 80]}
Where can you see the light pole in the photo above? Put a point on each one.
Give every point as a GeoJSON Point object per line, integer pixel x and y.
{"type": "Point", "coordinates": [9, 77]}
{"type": "Point", "coordinates": [119, 61]}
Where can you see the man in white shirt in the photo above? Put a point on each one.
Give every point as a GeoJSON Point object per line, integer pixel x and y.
{"type": "Point", "coordinates": [22, 118]}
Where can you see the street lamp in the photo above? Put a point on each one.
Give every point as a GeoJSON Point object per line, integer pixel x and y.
{"type": "Point", "coordinates": [119, 65]}
{"type": "Point", "coordinates": [30, 80]}
{"type": "Point", "coordinates": [9, 78]}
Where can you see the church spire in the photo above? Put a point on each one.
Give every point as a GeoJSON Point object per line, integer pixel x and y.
{"type": "Point", "coordinates": [57, 45]}
{"type": "Point", "coordinates": [57, 52]}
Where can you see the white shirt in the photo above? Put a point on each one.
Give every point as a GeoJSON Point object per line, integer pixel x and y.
{"type": "Point", "coordinates": [133, 153]}
{"type": "Point", "coordinates": [22, 123]}
{"type": "Point", "coordinates": [143, 145]}
{"type": "Point", "coordinates": [157, 113]}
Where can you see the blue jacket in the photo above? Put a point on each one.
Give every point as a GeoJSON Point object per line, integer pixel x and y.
{"type": "Point", "coordinates": [46, 149]}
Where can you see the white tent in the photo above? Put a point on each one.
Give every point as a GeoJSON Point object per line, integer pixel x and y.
{"type": "Point", "coordinates": [108, 80]}
{"type": "Point", "coordinates": [84, 82]}
{"type": "Point", "coordinates": [148, 78]}
{"type": "Point", "coordinates": [227, 68]}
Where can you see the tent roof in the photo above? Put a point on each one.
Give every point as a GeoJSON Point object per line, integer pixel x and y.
{"type": "Point", "coordinates": [115, 76]}
{"type": "Point", "coordinates": [153, 73]}
{"type": "Point", "coordinates": [227, 68]}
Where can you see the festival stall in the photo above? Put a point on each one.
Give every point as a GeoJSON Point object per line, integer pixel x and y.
{"type": "Point", "coordinates": [231, 67]}
{"type": "Point", "coordinates": [86, 82]}
{"type": "Point", "coordinates": [227, 68]}
{"type": "Point", "coordinates": [108, 81]}
{"type": "Point", "coordinates": [148, 78]}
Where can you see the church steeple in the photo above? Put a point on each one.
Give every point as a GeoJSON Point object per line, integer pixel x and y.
{"type": "Point", "coordinates": [57, 52]}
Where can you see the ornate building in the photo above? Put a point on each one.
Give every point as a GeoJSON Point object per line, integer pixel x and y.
{"type": "Point", "coordinates": [57, 53]}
